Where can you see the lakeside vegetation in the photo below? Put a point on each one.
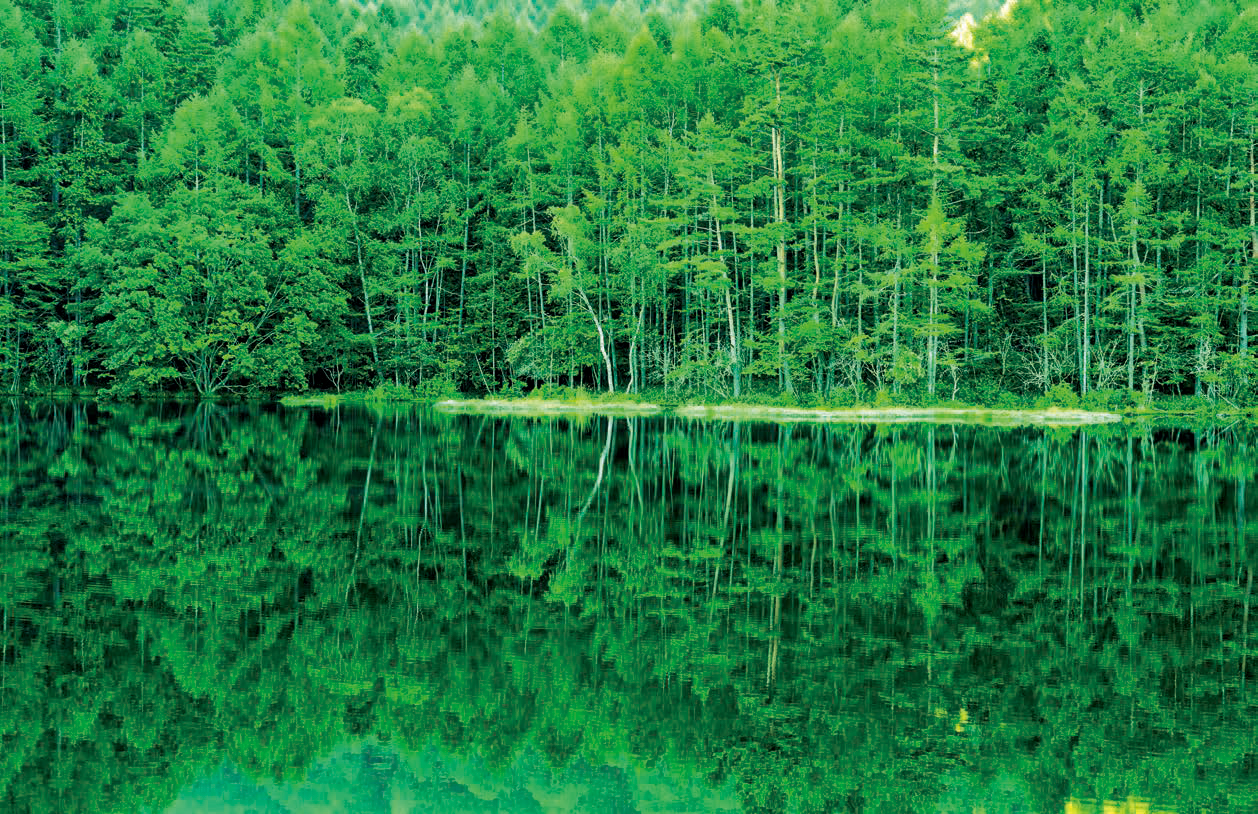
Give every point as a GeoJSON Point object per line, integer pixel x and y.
{"type": "Point", "coordinates": [1008, 409]}
{"type": "Point", "coordinates": [811, 198]}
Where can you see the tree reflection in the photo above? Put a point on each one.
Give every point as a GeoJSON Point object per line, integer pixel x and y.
{"type": "Point", "coordinates": [827, 617]}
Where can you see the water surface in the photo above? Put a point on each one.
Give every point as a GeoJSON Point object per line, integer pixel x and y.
{"type": "Point", "coordinates": [240, 609]}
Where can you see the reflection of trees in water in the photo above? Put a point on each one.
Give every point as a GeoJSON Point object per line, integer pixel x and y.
{"type": "Point", "coordinates": [208, 426]}
{"type": "Point", "coordinates": [828, 616]}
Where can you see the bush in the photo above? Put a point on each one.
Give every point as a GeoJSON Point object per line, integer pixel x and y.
{"type": "Point", "coordinates": [1108, 400]}
{"type": "Point", "coordinates": [389, 392]}
{"type": "Point", "coordinates": [841, 397]}
{"type": "Point", "coordinates": [435, 389]}
{"type": "Point", "coordinates": [1059, 395]}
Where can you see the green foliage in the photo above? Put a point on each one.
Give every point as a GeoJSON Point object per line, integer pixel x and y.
{"type": "Point", "coordinates": [198, 291]}
{"type": "Point", "coordinates": [1060, 395]}
{"type": "Point", "coordinates": [703, 199]}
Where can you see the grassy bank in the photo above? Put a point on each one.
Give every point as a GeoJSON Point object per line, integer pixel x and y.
{"type": "Point", "coordinates": [1006, 409]}
{"type": "Point", "coordinates": [899, 415]}
{"type": "Point", "coordinates": [582, 402]}
{"type": "Point", "coordinates": [539, 406]}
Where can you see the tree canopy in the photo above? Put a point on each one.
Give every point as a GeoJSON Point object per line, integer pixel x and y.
{"type": "Point", "coordinates": [826, 198]}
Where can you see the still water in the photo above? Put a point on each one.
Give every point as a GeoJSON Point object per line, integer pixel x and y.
{"type": "Point", "coordinates": [244, 609]}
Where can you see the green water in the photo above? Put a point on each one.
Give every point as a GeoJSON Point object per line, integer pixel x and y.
{"type": "Point", "coordinates": [244, 609]}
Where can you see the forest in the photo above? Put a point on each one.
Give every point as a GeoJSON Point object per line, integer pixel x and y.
{"type": "Point", "coordinates": [824, 200]}
{"type": "Point", "coordinates": [792, 619]}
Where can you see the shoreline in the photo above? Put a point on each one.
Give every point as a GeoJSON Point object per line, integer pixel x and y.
{"type": "Point", "coordinates": [752, 412]}
{"type": "Point", "coordinates": [1051, 417]}
{"type": "Point", "coordinates": [621, 405]}
{"type": "Point", "coordinates": [526, 406]}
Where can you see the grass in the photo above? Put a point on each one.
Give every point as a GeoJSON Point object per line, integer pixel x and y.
{"type": "Point", "coordinates": [325, 400]}
{"type": "Point", "coordinates": [539, 406]}
{"type": "Point", "coordinates": [1005, 409]}
{"type": "Point", "coordinates": [938, 415]}
{"type": "Point", "coordinates": [569, 401]}
{"type": "Point", "coordinates": [382, 394]}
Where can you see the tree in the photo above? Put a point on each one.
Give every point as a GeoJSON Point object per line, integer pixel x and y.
{"type": "Point", "coordinates": [82, 167]}
{"type": "Point", "coordinates": [568, 269]}
{"type": "Point", "coordinates": [141, 79]}
{"type": "Point", "coordinates": [192, 60]}
{"type": "Point", "coordinates": [947, 260]}
{"type": "Point", "coordinates": [198, 293]}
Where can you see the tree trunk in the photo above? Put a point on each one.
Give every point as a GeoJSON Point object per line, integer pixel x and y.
{"type": "Point", "coordinates": [734, 366]}
{"type": "Point", "coordinates": [1243, 317]}
{"type": "Point", "coordinates": [1131, 305]}
{"type": "Point", "coordinates": [779, 217]}
{"type": "Point", "coordinates": [602, 339]}
{"type": "Point", "coordinates": [362, 279]}
{"type": "Point", "coordinates": [818, 357]}
{"type": "Point", "coordinates": [1044, 314]}
{"type": "Point", "coordinates": [1080, 334]}
{"type": "Point", "coordinates": [467, 223]}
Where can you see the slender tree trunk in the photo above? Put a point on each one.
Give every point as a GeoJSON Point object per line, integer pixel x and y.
{"type": "Point", "coordinates": [1131, 337]}
{"type": "Point", "coordinates": [1131, 302]}
{"type": "Point", "coordinates": [734, 366]}
{"type": "Point", "coordinates": [598, 326]}
{"type": "Point", "coordinates": [362, 279]}
{"type": "Point", "coordinates": [1243, 317]}
{"type": "Point", "coordinates": [632, 385]}
{"type": "Point", "coordinates": [779, 217]}
{"type": "Point", "coordinates": [142, 117]}
{"type": "Point", "coordinates": [467, 223]}
{"type": "Point", "coordinates": [818, 357]}
{"type": "Point", "coordinates": [602, 344]}
{"type": "Point", "coordinates": [895, 309]}
{"type": "Point", "coordinates": [1044, 314]}
{"type": "Point", "coordinates": [1074, 281]}
{"type": "Point", "coordinates": [932, 338]}
{"type": "Point", "coordinates": [9, 328]}
{"type": "Point", "coordinates": [839, 245]}
{"type": "Point", "coordinates": [1087, 295]}
{"type": "Point", "coordinates": [4, 144]}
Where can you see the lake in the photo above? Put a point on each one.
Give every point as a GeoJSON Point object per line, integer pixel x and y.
{"type": "Point", "coordinates": [262, 609]}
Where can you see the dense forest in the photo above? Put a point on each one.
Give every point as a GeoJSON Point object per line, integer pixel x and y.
{"type": "Point", "coordinates": [820, 198]}
{"type": "Point", "coordinates": [804, 619]}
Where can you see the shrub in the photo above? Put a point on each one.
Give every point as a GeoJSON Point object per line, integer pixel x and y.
{"type": "Point", "coordinates": [1059, 395]}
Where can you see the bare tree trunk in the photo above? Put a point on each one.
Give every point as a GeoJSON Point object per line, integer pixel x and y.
{"type": "Point", "coordinates": [1044, 315]}
{"type": "Point", "coordinates": [602, 338]}
{"type": "Point", "coordinates": [1080, 335]}
{"type": "Point", "coordinates": [734, 366]}
{"type": "Point", "coordinates": [362, 279]}
{"type": "Point", "coordinates": [817, 250]}
{"type": "Point", "coordinates": [1253, 238]}
{"type": "Point", "coordinates": [4, 145]}
{"type": "Point", "coordinates": [467, 223]}
{"type": "Point", "coordinates": [932, 338]}
{"type": "Point", "coordinates": [779, 217]}
{"type": "Point", "coordinates": [1087, 294]}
